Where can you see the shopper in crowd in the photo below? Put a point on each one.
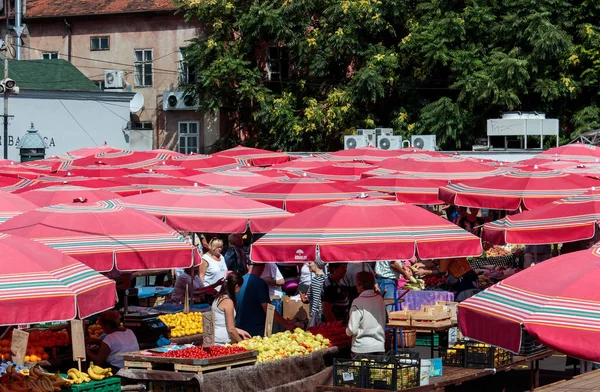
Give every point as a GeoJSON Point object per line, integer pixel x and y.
{"type": "Point", "coordinates": [235, 257]}
{"type": "Point", "coordinates": [251, 304]}
{"type": "Point", "coordinates": [388, 274]}
{"type": "Point", "coordinates": [274, 279]}
{"type": "Point", "coordinates": [334, 296]}
{"type": "Point", "coordinates": [305, 278]}
{"type": "Point", "coordinates": [349, 280]}
{"type": "Point", "coordinates": [196, 288]}
{"type": "Point", "coordinates": [213, 267]}
{"type": "Point", "coordinates": [117, 341]}
{"type": "Point", "coordinates": [536, 254]}
{"type": "Point", "coordinates": [313, 293]}
{"type": "Point", "coordinates": [471, 222]}
{"type": "Point", "coordinates": [367, 318]}
{"type": "Point", "coordinates": [460, 275]}
{"type": "Point", "coordinates": [224, 310]}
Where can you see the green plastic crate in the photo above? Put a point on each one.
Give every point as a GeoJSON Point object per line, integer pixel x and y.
{"type": "Point", "coordinates": [425, 340]}
{"type": "Point", "coordinates": [112, 384]}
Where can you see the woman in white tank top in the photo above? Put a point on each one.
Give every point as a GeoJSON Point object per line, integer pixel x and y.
{"type": "Point", "coordinates": [224, 309]}
{"type": "Point", "coordinates": [213, 268]}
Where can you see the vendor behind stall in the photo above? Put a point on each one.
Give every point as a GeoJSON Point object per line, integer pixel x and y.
{"type": "Point", "coordinates": [335, 297]}
{"type": "Point", "coordinates": [117, 341]}
{"type": "Point", "coordinates": [460, 275]}
{"type": "Point", "coordinates": [367, 318]}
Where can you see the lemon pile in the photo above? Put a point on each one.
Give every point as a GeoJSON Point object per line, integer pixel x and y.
{"type": "Point", "coordinates": [285, 344]}
{"type": "Point", "coordinates": [183, 324]}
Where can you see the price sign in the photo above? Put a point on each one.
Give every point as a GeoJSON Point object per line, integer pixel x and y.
{"type": "Point", "coordinates": [269, 320]}
{"type": "Point", "coordinates": [18, 346]}
{"type": "Point", "coordinates": [208, 328]}
{"type": "Point", "coordinates": [78, 340]}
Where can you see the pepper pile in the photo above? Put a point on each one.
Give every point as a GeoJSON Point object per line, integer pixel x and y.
{"type": "Point", "coordinates": [203, 352]}
{"type": "Point", "coordinates": [334, 331]}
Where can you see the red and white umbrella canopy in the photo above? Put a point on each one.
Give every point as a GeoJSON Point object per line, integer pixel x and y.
{"type": "Point", "coordinates": [440, 168]}
{"type": "Point", "coordinates": [124, 159]}
{"type": "Point", "coordinates": [39, 277]}
{"type": "Point", "coordinates": [408, 189]}
{"type": "Point", "coordinates": [303, 163]}
{"type": "Point", "coordinates": [157, 181]}
{"type": "Point", "coordinates": [205, 163]}
{"type": "Point", "coordinates": [207, 211]}
{"type": "Point", "coordinates": [363, 154]}
{"type": "Point", "coordinates": [363, 230]}
{"type": "Point", "coordinates": [66, 194]}
{"type": "Point", "coordinates": [90, 151]}
{"type": "Point", "coordinates": [255, 156]}
{"type": "Point", "coordinates": [573, 152]}
{"type": "Point", "coordinates": [231, 180]}
{"type": "Point", "coordinates": [104, 236]}
{"type": "Point", "coordinates": [299, 194]}
{"type": "Point", "coordinates": [566, 220]}
{"type": "Point", "coordinates": [528, 189]}
{"type": "Point", "coordinates": [342, 172]}
{"type": "Point", "coordinates": [96, 183]}
{"type": "Point", "coordinates": [95, 171]}
{"type": "Point", "coordinates": [556, 301]}
{"type": "Point", "coordinates": [12, 205]}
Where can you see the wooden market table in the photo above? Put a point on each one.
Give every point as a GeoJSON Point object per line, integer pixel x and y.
{"type": "Point", "coordinates": [433, 331]}
{"type": "Point", "coordinates": [457, 375]}
{"type": "Point", "coordinates": [588, 382]}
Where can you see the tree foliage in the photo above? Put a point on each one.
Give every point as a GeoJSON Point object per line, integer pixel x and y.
{"type": "Point", "coordinates": [423, 67]}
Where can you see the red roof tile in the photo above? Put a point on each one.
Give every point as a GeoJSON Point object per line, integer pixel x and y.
{"type": "Point", "coordinates": [64, 8]}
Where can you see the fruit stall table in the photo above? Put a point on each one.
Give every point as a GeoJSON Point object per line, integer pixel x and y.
{"type": "Point", "coordinates": [457, 375]}
{"type": "Point", "coordinates": [588, 382]}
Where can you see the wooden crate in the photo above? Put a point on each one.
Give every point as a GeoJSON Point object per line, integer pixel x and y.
{"type": "Point", "coordinates": [400, 318]}
{"type": "Point", "coordinates": [431, 317]}
{"type": "Point", "coordinates": [140, 360]}
{"type": "Point", "coordinates": [452, 307]}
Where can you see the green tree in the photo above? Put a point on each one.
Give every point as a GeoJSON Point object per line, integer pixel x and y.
{"type": "Point", "coordinates": [421, 67]}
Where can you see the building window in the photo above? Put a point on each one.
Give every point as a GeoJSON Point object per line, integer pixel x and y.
{"type": "Point", "coordinates": [189, 137]}
{"type": "Point", "coordinates": [142, 68]}
{"type": "Point", "coordinates": [142, 125]}
{"type": "Point", "coordinates": [100, 43]}
{"type": "Point", "coordinates": [50, 55]}
{"type": "Point", "coordinates": [278, 63]}
{"type": "Point", "coordinates": [100, 84]}
{"type": "Point", "coordinates": [186, 75]}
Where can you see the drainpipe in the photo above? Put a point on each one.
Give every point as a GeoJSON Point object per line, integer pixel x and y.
{"type": "Point", "coordinates": [69, 35]}
{"type": "Point", "coordinates": [18, 28]}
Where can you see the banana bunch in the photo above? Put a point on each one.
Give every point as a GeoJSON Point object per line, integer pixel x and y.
{"type": "Point", "coordinates": [74, 376]}
{"type": "Point", "coordinates": [97, 373]}
{"type": "Point", "coordinates": [34, 380]}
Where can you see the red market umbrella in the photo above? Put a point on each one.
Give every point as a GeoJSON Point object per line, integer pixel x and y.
{"type": "Point", "coordinates": [408, 189]}
{"type": "Point", "coordinates": [205, 163]}
{"type": "Point", "coordinates": [364, 230]}
{"type": "Point", "coordinates": [89, 151]}
{"type": "Point", "coordinates": [299, 194]}
{"type": "Point", "coordinates": [566, 220]}
{"type": "Point", "coordinates": [104, 236]}
{"type": "Point", "coordinates": [362, 154]}
{"type": "Point", "coordinates": [440, 168]}
{"type": "Point", "coordinates": [343, 172]}
{"type": "Point", "coordinates": [267, 172]}
{"type": "Point", "coordinates": [207, 211]}
{"type": "Point", "coordinates": [66, 194]}
{"type": "Point", "coordinates": [95, 171]}
{"type": "Point", "coordinates": [96, 183]}
{"type": "Point", "coordinates": [255, 156]}
{"type": "Point", "coordinates": [231, 180]}
{"type": "Point", "coordinates": [13, 184]}
{"type": "Point", "coordinates": [575, 152]}
{"type": "Point", "coordinates": [556, 301]}
{"type": "Point", "coordinates": [38, 277]}
{"type": "Point", "coordinates": [303, 163]}
{"type": "Point", "coordinates": [171, 170]}
{"type": "Point", "coordinates": [157, 181]}
{"type": "Point", "coordinates": [524, 188]}
{"type": "Point", "coordinates": [12, 205]}
{"type": "Point", "coordinates": [123, 159]}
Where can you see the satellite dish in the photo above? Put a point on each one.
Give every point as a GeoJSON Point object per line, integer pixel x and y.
{"type": "Point", "coordinates": [136, 103]}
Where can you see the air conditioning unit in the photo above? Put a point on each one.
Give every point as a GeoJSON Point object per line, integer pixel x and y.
{"type": "Point", "coordinates": [355, 141]}
{"type": "Point", "coordinates": [424, 142]}
{"type": "Point", "coordinates": [370, 134]}
{"type": "Point", "coordinates": [389, 142]}
{"type": "Point", "coordinates": [384, 132]}
{"type": "Point", "coordinates": [113, 79]}
{"type": "Point", "coordinates": [178, 100]}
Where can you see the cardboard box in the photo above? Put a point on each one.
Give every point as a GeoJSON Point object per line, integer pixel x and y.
{"type": "Point", "coordinates": [294, 309]}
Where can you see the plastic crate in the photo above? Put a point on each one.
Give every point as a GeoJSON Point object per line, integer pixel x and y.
{"type": "Point", "coordinates": [112, 384]}
{"type": "Point", "coordinates": [453, 357]}
{"type": "Point", "coordinates": [502, 261]}
{"type": "Point", "coordinates": [484, 356]}
{"type": "Point", "coordinates": [348, 373]}
{"type": "Point", "coordinates": [424, 339]}
{"type": "Point", "coordinates": [380, 373]}
{"type": "Point", "coordinates": [529, 345]}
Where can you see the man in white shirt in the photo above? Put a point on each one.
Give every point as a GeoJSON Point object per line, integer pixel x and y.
{"type": "Point", "coordinates": [272, 276]}
{"type": "Point", "coordinates": [367, 318]}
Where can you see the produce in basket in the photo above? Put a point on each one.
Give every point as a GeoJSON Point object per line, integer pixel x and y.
{"type": "Point", "coordinates": [183, 324]}
{"type": "Point", "coordinates": [202, 352]}
{"type": "Point", "coordinates": [497, 251]}
{"type": "Point", "coordinates": [285, 344]}
{"type": "Point", "coordinates": [334, 331]}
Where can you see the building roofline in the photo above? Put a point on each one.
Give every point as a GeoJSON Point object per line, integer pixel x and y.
{"type": "Point", "coordinates": [105, 96]}
{"type": "Point", "coordinates": [87, 15]}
